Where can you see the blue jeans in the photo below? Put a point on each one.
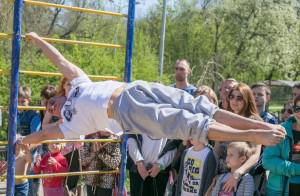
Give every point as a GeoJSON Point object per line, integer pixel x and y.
{"type": "Point", "coordinates": [22, 189]}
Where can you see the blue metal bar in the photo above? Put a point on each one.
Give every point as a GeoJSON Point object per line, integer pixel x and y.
{"type": "Point", "coordinates": [13, 104]}
{"type": "Point", "coordinates": [127, 78]}
{"type": "Point", "coordinates": [129, 40]}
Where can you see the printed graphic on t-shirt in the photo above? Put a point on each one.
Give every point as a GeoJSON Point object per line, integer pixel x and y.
{"type": "Point", "coordinates": [69, 106]}
{"type": "Point", "coordinates": [192, 178]}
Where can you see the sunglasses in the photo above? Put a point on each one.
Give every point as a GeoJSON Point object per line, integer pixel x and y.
{"type": "Point", "coordinates": [290, 111]}
{"type": "Point", "coordinates": [296, 108]}
{"type": "Point", "coordinates": [238, 98]}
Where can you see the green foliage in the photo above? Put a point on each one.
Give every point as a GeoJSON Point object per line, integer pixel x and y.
{"type": "Point", "coordinates": [248, 40]}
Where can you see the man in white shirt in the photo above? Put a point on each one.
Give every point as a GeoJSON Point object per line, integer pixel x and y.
{"type": "Point", "coordinates": [149, 160]}
{"type": "Point", "coordinates": [142, 107]}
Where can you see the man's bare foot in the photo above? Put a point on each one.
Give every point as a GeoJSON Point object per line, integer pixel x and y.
{"type": "Point", "coordinates": [268, 137]}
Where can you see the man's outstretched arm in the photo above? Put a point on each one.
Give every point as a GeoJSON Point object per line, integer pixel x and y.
{"type": "Point", "coordinates": [49, 134]}
{"type": "Point", "coordinates": [68, 69]}
{"type": "Point", "coordinates": [220, 132]}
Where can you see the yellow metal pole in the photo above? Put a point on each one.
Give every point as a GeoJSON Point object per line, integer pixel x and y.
{"type": "Point", "coordinates": [65, 41]}
{"type": "Point", "coordinates": [78, 9]}
{"type": "Point", "coordinates": [65, 174]}
{"type": "Point", "coordinates": [72, 140]}
{"type": "Point", "coordinates": [2, 143]}
{"type": "Point", "coordinates": [53, 74]}
{"type": "Point", "coordinates": [53, 40]}
{"type": "Point", "coordinates": [79, 140]}
{"type": "Point", "coordinates": [26, 107]}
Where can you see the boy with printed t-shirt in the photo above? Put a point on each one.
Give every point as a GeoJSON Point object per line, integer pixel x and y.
{"type": "Point", "coordinates": [197, 170]}
{"type": "Point", "coordinates": [142, 107]}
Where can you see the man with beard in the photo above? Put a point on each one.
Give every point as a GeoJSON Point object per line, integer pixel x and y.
{"type": "Point", "coordinates": [182, 72]}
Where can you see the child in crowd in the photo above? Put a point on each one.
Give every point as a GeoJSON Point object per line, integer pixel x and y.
{"type": "Point", "coordinates": [100, 156]}
{"type": "Point", "coordinates": [197, 170]}
{"type": "Point", "coordinates": [177, 163]}
{"type": "Point", "coordinates": [28, 121]}
{"type": "Point", "coordinates": [70, 150]}
{"type": "Point", "coordinates": [53, 162]}
{"type": "Point", "coordinates": [23, 161]}
{"type": "Point", "coordinates": [237, 154]}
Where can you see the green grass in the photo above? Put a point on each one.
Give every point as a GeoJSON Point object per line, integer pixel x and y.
{"type": "Point", "coordinates": [127, 183]}
{"type": "Point", "coordinates": [275, 108]}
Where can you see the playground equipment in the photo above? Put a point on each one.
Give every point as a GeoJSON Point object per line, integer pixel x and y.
{"type": "Point", "coordinates": [13, 106]}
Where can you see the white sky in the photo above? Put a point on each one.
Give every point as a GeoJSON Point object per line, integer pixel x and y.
{"type": "Point", "coordinates": [141, 7]}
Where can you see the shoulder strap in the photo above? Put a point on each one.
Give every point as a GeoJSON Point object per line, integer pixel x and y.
{"type": "Point", "coordinates": [71, 159]}
{"type": "Point", "coordinates": [170, 145]}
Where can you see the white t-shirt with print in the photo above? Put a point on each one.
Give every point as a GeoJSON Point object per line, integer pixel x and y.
{"type": "Point", "coordinates": [85, 110]}
{"type": "Point", "coordinates": [193, 169]}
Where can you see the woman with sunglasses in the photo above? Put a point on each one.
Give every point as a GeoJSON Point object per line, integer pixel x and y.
{"type": "Point", "coordinates": [286, 111]}
{"type": "Point", "coordinates": [283, 160]}
{"type": "Point", "coordinates": [241, 102]}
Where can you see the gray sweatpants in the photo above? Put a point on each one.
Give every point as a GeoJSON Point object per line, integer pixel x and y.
{"type": "Point", "coordinates": [163, 112]}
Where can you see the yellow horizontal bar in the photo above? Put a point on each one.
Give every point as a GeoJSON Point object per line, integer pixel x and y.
{"type": "Point", "coordinates": [26, 107]}
{"type": "Point", "coordinates": [47, 74]}
{"type": "Point", "coordinates": [79, 140]}
{"type": "Point", "coordinates": [79, 9]}
{"type": "Point", "coordinates": [31, 108]}
{"type": "Point", "coordinates": [5, 36]}
{"type": "Point", "coordinates": [66, 174]}
{"type": "Point", "coordinates": [72, 140]}
{"type": "Point", "coordinates": [65, 41]}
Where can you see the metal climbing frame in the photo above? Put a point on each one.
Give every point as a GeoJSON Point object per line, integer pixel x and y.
{"type": "Point", "coordinates": [15, 59]}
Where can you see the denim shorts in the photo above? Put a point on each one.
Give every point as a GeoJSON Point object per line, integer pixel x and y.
{"type": "Point", "coordinates": [22, 189]}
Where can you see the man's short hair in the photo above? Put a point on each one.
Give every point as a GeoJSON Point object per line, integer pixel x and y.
{"type": "Point", "coordinates": [24, 91]}
{"type": "Point", "coordinates": [260, 84]}
{"type": "Point", "coordinates": [297, 85]}
{"type": "Point", "coordinates": [48, 91]}
{"type": "Point", "coordinates": [230, 80]}
{"type": "Point", "coordinates": [178, 61]}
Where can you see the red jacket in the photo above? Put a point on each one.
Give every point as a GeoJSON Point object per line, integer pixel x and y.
{"type": "Point", "coordinates": [60, 166]}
